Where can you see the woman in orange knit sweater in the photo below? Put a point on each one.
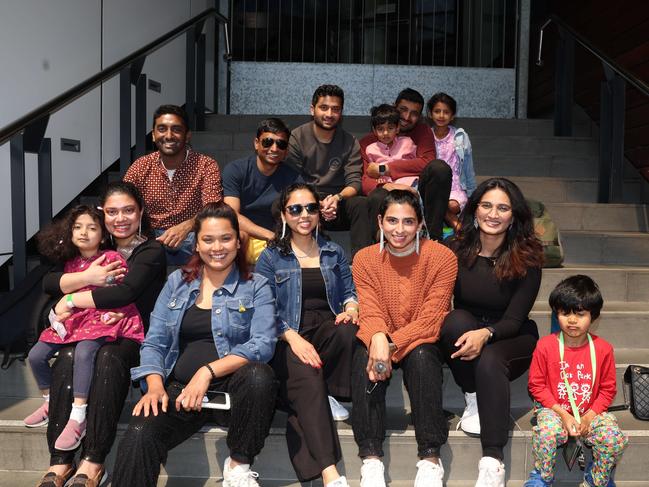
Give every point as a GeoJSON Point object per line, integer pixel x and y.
{"type": "Point", "coordinates": [404, 287]}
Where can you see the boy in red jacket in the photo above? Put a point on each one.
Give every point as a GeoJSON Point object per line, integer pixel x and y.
{"type": "Point", "coordinates": [572, 381]}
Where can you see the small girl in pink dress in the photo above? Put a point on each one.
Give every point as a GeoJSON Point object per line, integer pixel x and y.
{"type": "Point", "coordinates": [453, 146]}
{"type": "Point", "coordinates": [78, 240]}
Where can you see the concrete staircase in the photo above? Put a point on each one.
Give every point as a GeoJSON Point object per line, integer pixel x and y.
{"type": "Point", "coordinates": [607, 242]}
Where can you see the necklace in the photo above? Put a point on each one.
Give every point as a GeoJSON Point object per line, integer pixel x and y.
{"type": "Point", "coordinates": [403, 253]}
{"type": "Point", "coordinates": [308, 252]}
{"type": "Point", "coordinates": [128, 249]}
{"type": "Point", "coordinates": [85, 261]}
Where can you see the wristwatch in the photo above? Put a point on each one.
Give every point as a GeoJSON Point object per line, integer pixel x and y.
{"type": "Point", "coordinates": [382, 169]}
{"type": "Point", "coordinates": [492, 331]}
{"type": "Point", "coordinates": [339, 197]}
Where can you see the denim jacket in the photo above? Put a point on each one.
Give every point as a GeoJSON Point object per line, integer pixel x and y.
{"type": "Point", "coordinates": [465, 154]}
{"type": "Point", "coordinates": [285, 278]}
{"type": "Point", "coordinates": [243, 322]}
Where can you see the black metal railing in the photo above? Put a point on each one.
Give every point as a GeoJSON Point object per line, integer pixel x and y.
{"type": "Point", "coordinates": [612, 104]}
{"type": "Point", "coordinates": [469, 33]}
{"type": "Point", "coordinates": [26, 134]}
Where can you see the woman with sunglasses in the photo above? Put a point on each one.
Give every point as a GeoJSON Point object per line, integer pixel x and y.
{"type": "Point", "coordinates": [317, 313]}
{"type": "Point", "coordinates": [488, 339]}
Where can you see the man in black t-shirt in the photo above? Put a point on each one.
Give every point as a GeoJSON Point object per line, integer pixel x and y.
{"type": "Point", "coordinates": [251, 185]}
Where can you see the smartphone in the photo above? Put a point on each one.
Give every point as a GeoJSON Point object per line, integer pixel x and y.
{"type": "Point", "coordinates": [216, 400]}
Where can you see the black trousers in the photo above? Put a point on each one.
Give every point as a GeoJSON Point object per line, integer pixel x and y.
{"type": "Point", "coordinates": [422, 376]}
{"type": "Point", "coordinates": [489, 374]}
{"type": "Point", "coordinates": [311, 434]}
{"type": "Point", "coordinates": [434, 188]}
{"type": "Point", "coordinates": [147, 441]}
{"type": "Point", "coordinates": [110, 385]}
{"type": "Point", "coordinates": [352, 216]}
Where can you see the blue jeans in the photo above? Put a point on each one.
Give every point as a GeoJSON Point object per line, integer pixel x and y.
{"type": "Point", "coordinates": [179, 255]}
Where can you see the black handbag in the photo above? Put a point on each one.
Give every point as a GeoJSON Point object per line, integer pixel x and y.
{"type": "Point", "coordinates": [636, 391]}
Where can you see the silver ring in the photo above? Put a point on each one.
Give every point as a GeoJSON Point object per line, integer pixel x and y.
{"type": "Point", "coordinates": [110, 280]}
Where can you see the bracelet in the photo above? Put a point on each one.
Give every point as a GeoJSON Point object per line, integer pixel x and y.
{"type": "Point", "coordinates": [209, 367]}
{"type": "Point", "coordinates": [68, 301]}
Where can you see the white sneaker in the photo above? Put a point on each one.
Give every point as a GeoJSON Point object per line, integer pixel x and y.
{"type": "Point", "coordinates": [372, 473]}
{"type": "Point", "coordinates": [429, 474]}
{"type": "Point", "coordinates": [337, 410]}
{"type": "Point", "coordinates": [470, 421]}
{"type": "Point", "coordinates": [339, 482]}
{"type": "Point", "coordinates": [491, 473]}
{"type": "Point", "coordinates": [239, 476]}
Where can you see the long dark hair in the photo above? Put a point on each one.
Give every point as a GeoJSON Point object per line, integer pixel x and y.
{"type": "Point", "coordinates": [55, 240]}
{"type": "Point", "coordinates": [129, 189]}
{"type": "Point", "coordinates": [194, 266]}
{"type": "Point", "coordinates": [284, 244]}
{"type": "Point", "coordinates": [520, 250]}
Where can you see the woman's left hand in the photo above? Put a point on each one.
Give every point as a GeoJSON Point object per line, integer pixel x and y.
{"type": "Point", "coordinates": [191, 397]}
{"type": "Point", "coordinates": [348, 316]}
{"type": "Point", "coordinates": [111, 317]}
{"type": "Point", "coordinates": [471, 344]}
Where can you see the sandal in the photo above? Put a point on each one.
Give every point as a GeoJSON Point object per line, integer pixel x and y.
{"type": "Point", "coordinates": [51, 479]}
{"type": "Point", "coordinates": [82, 480]}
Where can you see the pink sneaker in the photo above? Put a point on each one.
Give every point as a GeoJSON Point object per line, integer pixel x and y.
{"type": "Point", "coordinates": [40, 417]}
{"type": "Point", "coordinates": [71, 436]}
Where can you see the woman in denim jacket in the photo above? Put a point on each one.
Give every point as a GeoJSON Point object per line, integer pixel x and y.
{"type": "Point", "coordinates": [317, 312]}
{"type": "Point", "coordinates": [213, 328]}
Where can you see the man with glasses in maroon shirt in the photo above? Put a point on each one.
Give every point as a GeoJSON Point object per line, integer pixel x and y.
{"type": "Point", "coordinates": [175, 182]}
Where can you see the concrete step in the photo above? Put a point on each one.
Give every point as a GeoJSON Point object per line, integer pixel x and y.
{"type": "Point", "coordinates": [617, 282]}
{"type": "Point", "coordinates": [531, 145]}
{"type": "Point", "coordinates": [201, 456]}
{"type": "Point", "coordinates": [600, 217]}
{"type": "Point", "coordinates": [355, 123]}
{"type": "Point", "coordinates": [611, 248]}
{"type": "Point", "coordinates": [572, 190]}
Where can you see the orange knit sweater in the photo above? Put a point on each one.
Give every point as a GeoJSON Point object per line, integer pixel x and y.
{"type": "Point", "coordinates": [405, 297]}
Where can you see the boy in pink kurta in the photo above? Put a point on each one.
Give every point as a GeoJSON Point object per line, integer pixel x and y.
{"type": "Point", "coordinates": [390, 146]}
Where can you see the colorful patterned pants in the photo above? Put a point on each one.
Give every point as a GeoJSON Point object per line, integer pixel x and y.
{"type": "Point", "coordinates": [605, 437]}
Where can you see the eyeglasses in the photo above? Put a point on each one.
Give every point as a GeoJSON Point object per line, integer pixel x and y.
{"type": "Point", "coordinates": [297, 209]}
{"type": "Point", "coordinates": [486, 206]}
{"type": "Point", "coordinates": [267, 143]}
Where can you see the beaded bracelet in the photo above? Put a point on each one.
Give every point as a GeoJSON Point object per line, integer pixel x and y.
{"type": "Point", "coordinates": [209, 367]}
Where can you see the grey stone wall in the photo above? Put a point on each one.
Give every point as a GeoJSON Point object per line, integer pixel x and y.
{"type": "Point", "coordinates": [286, 88]}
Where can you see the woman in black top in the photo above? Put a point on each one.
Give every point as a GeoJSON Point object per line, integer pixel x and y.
{"type": "Point", "coordinates": [488, 338]}
{"type": "Point", "coordinates": [124, 217]}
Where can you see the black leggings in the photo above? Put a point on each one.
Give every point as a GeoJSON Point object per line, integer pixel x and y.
{"type": "Point", "coordinates": [489, 374]}
{"type": "Point", "coordinates": [422, 376]}
{"type": "Point", "coordinates": [147, 440]}
{"type": "Point", "coordinates": [110, 385]}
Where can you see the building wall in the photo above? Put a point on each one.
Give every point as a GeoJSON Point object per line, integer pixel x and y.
{"type": "Point", "coordinates": [49, 47]}
{"type": "Point", "coordinates": [286, 88]}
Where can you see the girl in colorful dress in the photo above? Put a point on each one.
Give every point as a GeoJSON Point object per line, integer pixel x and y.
{"type": "Point", "coordinates": [572, 382]}
{"type": "Point", "coordinates": [78, 240]}
{"type": "Point", "coordinates": [453, 146]}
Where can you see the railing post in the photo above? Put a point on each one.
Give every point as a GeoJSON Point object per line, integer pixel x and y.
{"type": "Point", "coordinates": [200, 83]}
{"type": "Point", "coordinates": [190, 76]}
{"type": "Point", "coordinates": [124, 120]}
{"type": "Point", "coordinates": [564, 76]}
{"type": "Point", "coordinates": [45, 182]}
{"type": "Point", "coordinates": [140, 116]}
{"type": "Point", "coordinates": [611, 138]}
{"type": "Point", "coordinates": [18, 208]}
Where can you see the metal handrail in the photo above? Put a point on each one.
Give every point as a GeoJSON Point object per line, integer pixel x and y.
{"type": "Point", "coordinates": [84, 87]}
{"type": "Point", "coordinates": [621, 71]}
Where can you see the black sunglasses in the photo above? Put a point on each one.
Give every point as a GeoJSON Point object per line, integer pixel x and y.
{"type": "Point", "coordinates": [296, 210]}
{"type": "Point", "coordinates": [267, 143]}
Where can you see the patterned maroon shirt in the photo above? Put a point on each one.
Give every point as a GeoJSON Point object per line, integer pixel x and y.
{"type": "Point", "coordinates": [196, 182]}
